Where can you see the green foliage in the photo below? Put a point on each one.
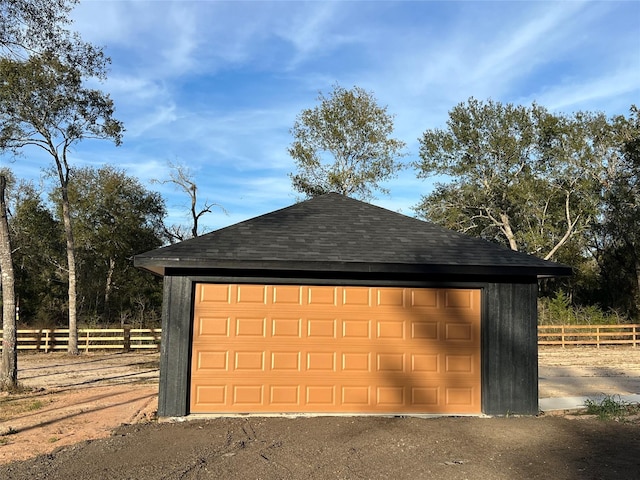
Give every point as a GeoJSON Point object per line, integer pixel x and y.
{"type": "Point", "coordinates": [35, 405]}
{"type": "Point", "coordinates": [561, 187]}
{"type": "Point", "coordinates": [616, 238]}
{"type": "Point", "coordinates": [33, 27]}
{"type": "Point", "coordinates": [38, 257]}
{"type": "Point", "coordinates": [519, 175]}
{"type": "Point", "coordinates": [43, 103]}
{"type": "Point", "coordinates": [559, 310]}
{"type": "Point", "coordinates": [611, 407]}
{"type": "Point", "coordinates": [344, 145]}
{"type": "Point", "coordinates": [114, 217]}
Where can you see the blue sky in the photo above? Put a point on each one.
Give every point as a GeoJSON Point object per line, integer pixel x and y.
{"type": "Point", "coordinates": [217, 85]}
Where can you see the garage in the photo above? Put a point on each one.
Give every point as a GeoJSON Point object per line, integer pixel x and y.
{"type": "Point", "coordinates": [333, 305]}
{"type": "Point", "coordinates": [321, 349]}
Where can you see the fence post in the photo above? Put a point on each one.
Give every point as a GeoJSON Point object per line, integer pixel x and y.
{"type": "Point", "coordinates": [562, 334]}
{"type": "Point", "coordinates": [127, 338]}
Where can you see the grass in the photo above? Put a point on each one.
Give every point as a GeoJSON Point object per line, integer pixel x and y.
{"type": "Point", "coordinates": [35, 405]}
{"type": "Point", "coordinates": [17, 389]}
{"type": "Point", "coordinates": [17, 404]}
{"type": "Point", "coordinates": [611, 407]}
{"type": "Point", "coordinates": [10, 431]}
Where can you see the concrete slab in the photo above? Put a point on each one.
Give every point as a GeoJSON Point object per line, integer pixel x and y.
{"type": "Point", "coordinates": [578, 402]}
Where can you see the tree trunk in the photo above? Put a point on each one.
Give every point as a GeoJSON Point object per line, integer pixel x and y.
{"type": "Point", "coordinates": [9, 368]}
{"type": "Point", "coordinates": [508, 232]}
{"type": "Point", "coordinates": [194, 214]}
{"type": "Point", "coordinates": [72, 348]}
{"type": "Point", "coordinates": [108, 287]}
{"type": "Point", "coordinates": [638, 283]}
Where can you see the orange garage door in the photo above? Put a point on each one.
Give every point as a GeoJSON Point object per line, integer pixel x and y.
{"type": "Point", "coordinates": [284, 348]}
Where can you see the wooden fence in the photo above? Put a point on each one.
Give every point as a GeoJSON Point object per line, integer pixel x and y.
{"type": "Point", "coordinates": [132, 339]}
{"type": "Point", "coordinates": [593, 335]}
{"type": "Point", "coordinates": [126, 339]}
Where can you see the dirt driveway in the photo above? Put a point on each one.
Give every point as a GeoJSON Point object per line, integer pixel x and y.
{"type": "Point", "coordinates": [92, 419]}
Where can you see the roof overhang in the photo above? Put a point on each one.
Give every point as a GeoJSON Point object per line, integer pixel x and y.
{"type": "Point", "coordinates": [161, 266]}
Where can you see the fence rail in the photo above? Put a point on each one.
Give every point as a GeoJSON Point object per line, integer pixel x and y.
{"type": "Point", "coordinates": [594, 335]}
{"type": "Point", "coordinates": [128, 339]}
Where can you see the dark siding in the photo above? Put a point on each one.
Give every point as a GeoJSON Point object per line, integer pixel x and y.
{"type": "Point", "coordinates": [173, 398]}
{"type": "Point", "coordinates": [510, 349]}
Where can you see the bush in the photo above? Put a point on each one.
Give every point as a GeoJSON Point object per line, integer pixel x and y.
{"type": "Point", "coordinates": [559, 310]}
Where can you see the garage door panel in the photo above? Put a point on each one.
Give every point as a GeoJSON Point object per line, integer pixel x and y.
{"type": "Point", "coordinates": [251, 294]}
{"type": "Point", "coordinates": [321, 361]}
{"type": "Point", "coordinates": [321, 328]}
{"type": "Point", "coordinates": [214, 294]}
{"type": "Point", "coordinates": [298, 363]}
{"type": "Point", "coordinates": [249, 361]}
{"type": "Point", "coordinates": [391, 329]}
{"type": "Point", "coordinates": [283, 295]}
{"type": "Point", "coordinates": [425, 363]}
{"type": "Point", "coordinates": [260, 348]}
{"type": "Point", "coordinates": [459, 332]}
{"type": "Point", "coordinates": [356, 297]}
{"type": "Point", "coordinates": [391, 297]}
{"type": "Point", "coordinates": [425, 330]}
{"type": "Point", "coordinates": [462, 299]}
{"type": "Point", "coordinates": [247, 395]}
{"type": "Point", "coordinates": [250, 327]}
{"type": "Point", "coordinates": [211, 360]}
{"type": "Point", "coordinates": [284, 395]}
{"type": "Point", "coordinates": [212, 327]}
{"type": "Point", "coordinates": [325, 296]}
{"type": "Point", "coordinates": [210, 396]}
{"type": "Point", "coordinates": [286, 327]}
{"type": "Point", "coordinates": [356, 362]}
{"type": "Point", "coordinates": [356, 329]}
{"type": "Point", "coordinates": [286, 362]}
{"type": "Point", "coordinates": [319, 396]}
{"type": "Point", "coordinates": [390, 362]}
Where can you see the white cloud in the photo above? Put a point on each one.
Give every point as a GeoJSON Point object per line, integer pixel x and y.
{"type": "Point", "coordinates": [179, 51]}
{"type": "Point", "coordinates": [520, 47]}
{"type": "Point", "coordinates": [585, 94]}
{"type": "Point", "coordinates": [161, 115]}
{"type": "Point", "coordinates": [217, 84]}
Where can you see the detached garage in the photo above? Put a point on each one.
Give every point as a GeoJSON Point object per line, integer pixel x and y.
{"type": "Point", "coordinates": [333, 305]}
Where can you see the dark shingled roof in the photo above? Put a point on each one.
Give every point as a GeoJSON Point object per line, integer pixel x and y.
{"type": "Point", "coordinates": [337, 233]}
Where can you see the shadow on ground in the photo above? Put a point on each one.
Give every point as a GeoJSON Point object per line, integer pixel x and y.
{"type": "Point", "coordinates": [351, 447]}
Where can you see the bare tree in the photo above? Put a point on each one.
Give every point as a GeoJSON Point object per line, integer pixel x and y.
{"type": "Point", "coordinates": [182, 178]}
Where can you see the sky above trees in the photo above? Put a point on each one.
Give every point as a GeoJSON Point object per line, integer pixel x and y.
{"type": "Point", "coordinates": [217, 85]}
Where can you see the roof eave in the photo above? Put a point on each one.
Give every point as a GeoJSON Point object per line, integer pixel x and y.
{"type": "Point", "coordinates": [159, 266]}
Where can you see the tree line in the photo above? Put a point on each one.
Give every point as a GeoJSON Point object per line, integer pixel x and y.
{"type": "Point", "coordinates": [563, 187]}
